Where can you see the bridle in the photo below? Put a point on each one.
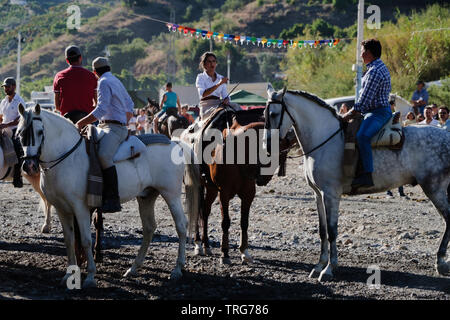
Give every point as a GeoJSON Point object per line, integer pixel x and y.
{"type": "Point", "coordinates": [28, 139]}
{"type": "Point", "coordinates": [284, 109]}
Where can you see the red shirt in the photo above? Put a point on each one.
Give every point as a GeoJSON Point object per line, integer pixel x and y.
{"type": "Point", "coordinates": [77, 87]}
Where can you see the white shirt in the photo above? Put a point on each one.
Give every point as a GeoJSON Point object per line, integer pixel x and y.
{"type": "Point", "coordinates": [433, 122]}
{"type": "Point", "coordinates": [204, 82]}
{"type": "Point", "coordinates": [113, 99]}
{"type": "Point", "coordinates": [132, 124]}
{"type": "Point", "coordinates": [10, 110]}
{"type": "Point", "coordinates": [141, 119]}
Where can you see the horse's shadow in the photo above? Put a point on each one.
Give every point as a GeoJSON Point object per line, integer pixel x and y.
{"type": "Point", "coordinates": [252, 285]}
{"type": "Point", "coordinates": [397, 279]}
{"type": "Point", "coordinates": [38, 247]}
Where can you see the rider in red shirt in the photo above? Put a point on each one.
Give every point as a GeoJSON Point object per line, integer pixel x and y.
{"type": "Point", "coordinates": [75, 88]}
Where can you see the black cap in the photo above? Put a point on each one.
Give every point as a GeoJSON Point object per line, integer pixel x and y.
{"type": "Point", "coordinates": [10, 81]}
{"type": "Point", "coordinates": [420, 82]}
{"type": "Point", "coordinates": [72, 51]}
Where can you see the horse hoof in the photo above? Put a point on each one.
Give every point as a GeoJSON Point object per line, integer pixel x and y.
{"type": "Point", "coordinates": [89, 283]}
{"type": "Point", "coordinates": [314, 274]}
{"type": "Point", "coordinates": [198, 251]}
{"type": "Point", "coordinates": [208, 251]}
{"type": "Point", "coordinates": [46, 229]}
{"type": "Point", "coordinates": [325, 277]}
{"type": "Point", "coordinates": [443, 269]}
{"type": "Point", "coordinates": [225, 261]}
{"type": "Point", "coordinates": [246, 259]}
{"type": "Point", "coordinates": [130, 273]}
{"type": "Point", "coordinates": [176, 275]}
{"type": "Point", "coordinates": [98, 258]}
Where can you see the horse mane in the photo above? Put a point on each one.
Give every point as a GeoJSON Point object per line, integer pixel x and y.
{"type": "Point", "coordinates": [54, 116]}
{"type": "Point", "coordinates": [317, 100]}
{"type": "Point", "coordinates": [395, 95]}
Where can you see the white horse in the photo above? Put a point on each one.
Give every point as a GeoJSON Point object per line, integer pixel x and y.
{"type": "Point", "coordinates": [423, 160]}
{"type": "Point", "coordinates": [6, 174]}
{"type": "Point", "coordinates": [49, 138]}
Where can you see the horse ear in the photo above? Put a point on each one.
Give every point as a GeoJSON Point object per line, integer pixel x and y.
{"type": "Point", "coordinates": [270, 90]}
{"type": "Point", "coordinates": [37, 109]}
{"type": "Point", "coordinates": [149, 101]}
{"type": "Point", "coordinates": [21, 109]}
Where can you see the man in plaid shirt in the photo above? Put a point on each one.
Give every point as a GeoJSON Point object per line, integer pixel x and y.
{"type": "Point", "coordinates": [373, 104]}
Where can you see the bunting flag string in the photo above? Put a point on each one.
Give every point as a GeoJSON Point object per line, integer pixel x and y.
{"type": "Point", "coordinates": [238, 39]}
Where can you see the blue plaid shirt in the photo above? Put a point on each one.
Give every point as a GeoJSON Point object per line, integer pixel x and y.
{"type": "Point", "coordinates": [375, 87]}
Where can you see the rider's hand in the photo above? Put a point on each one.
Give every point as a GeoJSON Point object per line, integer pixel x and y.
{"type": "Point", "coordinates": [79, 126]}
{"type": "Point", "coordinates": [349, 115]}
{"type": "Point", "coordinates": [224, 80]}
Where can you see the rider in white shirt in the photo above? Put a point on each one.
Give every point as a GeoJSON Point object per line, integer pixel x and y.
{"type": "Point", "coordinates": [211, 86]}
{"type": "Point", "coordinates": [9, 118]}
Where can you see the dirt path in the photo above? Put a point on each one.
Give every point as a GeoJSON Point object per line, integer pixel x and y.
{"type": "Point", "coordinates": [400, 236]}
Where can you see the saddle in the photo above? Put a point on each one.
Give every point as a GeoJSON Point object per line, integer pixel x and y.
{"type": "Point", "coordinates": [389, 136]}
{"type": "Point", "coordinates": [129, 149]}
{"type": "Point", "coordinates": [133, 146]}
{"type": "Point", "coordinates": [7, 145]}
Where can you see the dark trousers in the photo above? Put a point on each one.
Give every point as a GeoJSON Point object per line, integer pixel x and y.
{"type": "Point", "coordinates": [19, 153]}
{"type": "Point", "coordinates": [75, 115]}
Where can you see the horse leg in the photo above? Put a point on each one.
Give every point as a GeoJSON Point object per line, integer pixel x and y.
{"type": "Point", "coordinates": [198, 251]}
{"type": "Point", "coordinates": [35, 183]}
{"type": "Point", "coordinates": [439, 194]}
{"type": "Point", "coordinates": [81, 258]}
{"type": "Point", "coordinates": [211, 194]}
{"type": "Point", "coordinates": [246, 202]}
{"type": "Point", "coordinates": [147, 214]}
{"type": "Point", "coordinates": [98, 223]}
{"type": "Point", "coordinates": [83, 217]}
{"type": "Point", "coordinates": [69, 238]}
{"type": "Point", "coordinates": [323, 260]}
{"type": "Point", "coordinates": [224, 202]}
{"type": "Point", "coordinates": [332, 215]}
{"type": "Point", "coordinates": [176, 209]}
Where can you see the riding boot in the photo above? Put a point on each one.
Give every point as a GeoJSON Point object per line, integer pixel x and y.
{"type": "Point", "coordinates": [111, 199]}
{"type": "Point", "coordinates": [17, 178]}
{"type": "Point", "coordinates": [363, 180]}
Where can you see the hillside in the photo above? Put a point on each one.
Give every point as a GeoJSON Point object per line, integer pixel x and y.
{"type": "Point", "coordinates": [138, 46]}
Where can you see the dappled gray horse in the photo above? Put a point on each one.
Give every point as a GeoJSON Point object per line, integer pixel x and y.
{"type": "Point", "coordinates": [423, 160]}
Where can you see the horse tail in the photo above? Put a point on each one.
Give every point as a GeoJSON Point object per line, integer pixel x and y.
{"type": "Point", "coordinates": [192, 185]}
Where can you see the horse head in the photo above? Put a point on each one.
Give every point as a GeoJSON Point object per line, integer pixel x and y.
{"type": "Point", "coordinates": [152, 106]}
{"type": "Point", "coordinates": [31, 133]}
{"type": "Point", "coordinates": [276, 115]}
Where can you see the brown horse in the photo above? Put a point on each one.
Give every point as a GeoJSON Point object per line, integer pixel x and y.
{"type": "Point", "coordinates": [228, 180]}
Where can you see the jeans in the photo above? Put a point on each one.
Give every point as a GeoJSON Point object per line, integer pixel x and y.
{"type": "Point", "coordinates": [372, 123]}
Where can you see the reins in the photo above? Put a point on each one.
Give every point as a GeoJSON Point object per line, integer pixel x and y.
{"type": "Point", "coordinates": [64, 156]}
{"type": "Point", "coordinates": [285, 109]}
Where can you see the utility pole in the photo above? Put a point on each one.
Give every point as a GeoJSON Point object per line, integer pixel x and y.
{"type": "Point", "coordinates": [19, 41]}
{"type": "Point", "coordinates": [228, 66]}
{"type": "Point", "coordinates": [359, 63]}
{"type": "Point", "coordinates": [171, 64]}
{"type": "Point", "coordinates": [210, 38]}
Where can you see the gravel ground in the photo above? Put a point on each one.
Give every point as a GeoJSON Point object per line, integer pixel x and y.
{"type": "Point", "coordinates": [401, 236]}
